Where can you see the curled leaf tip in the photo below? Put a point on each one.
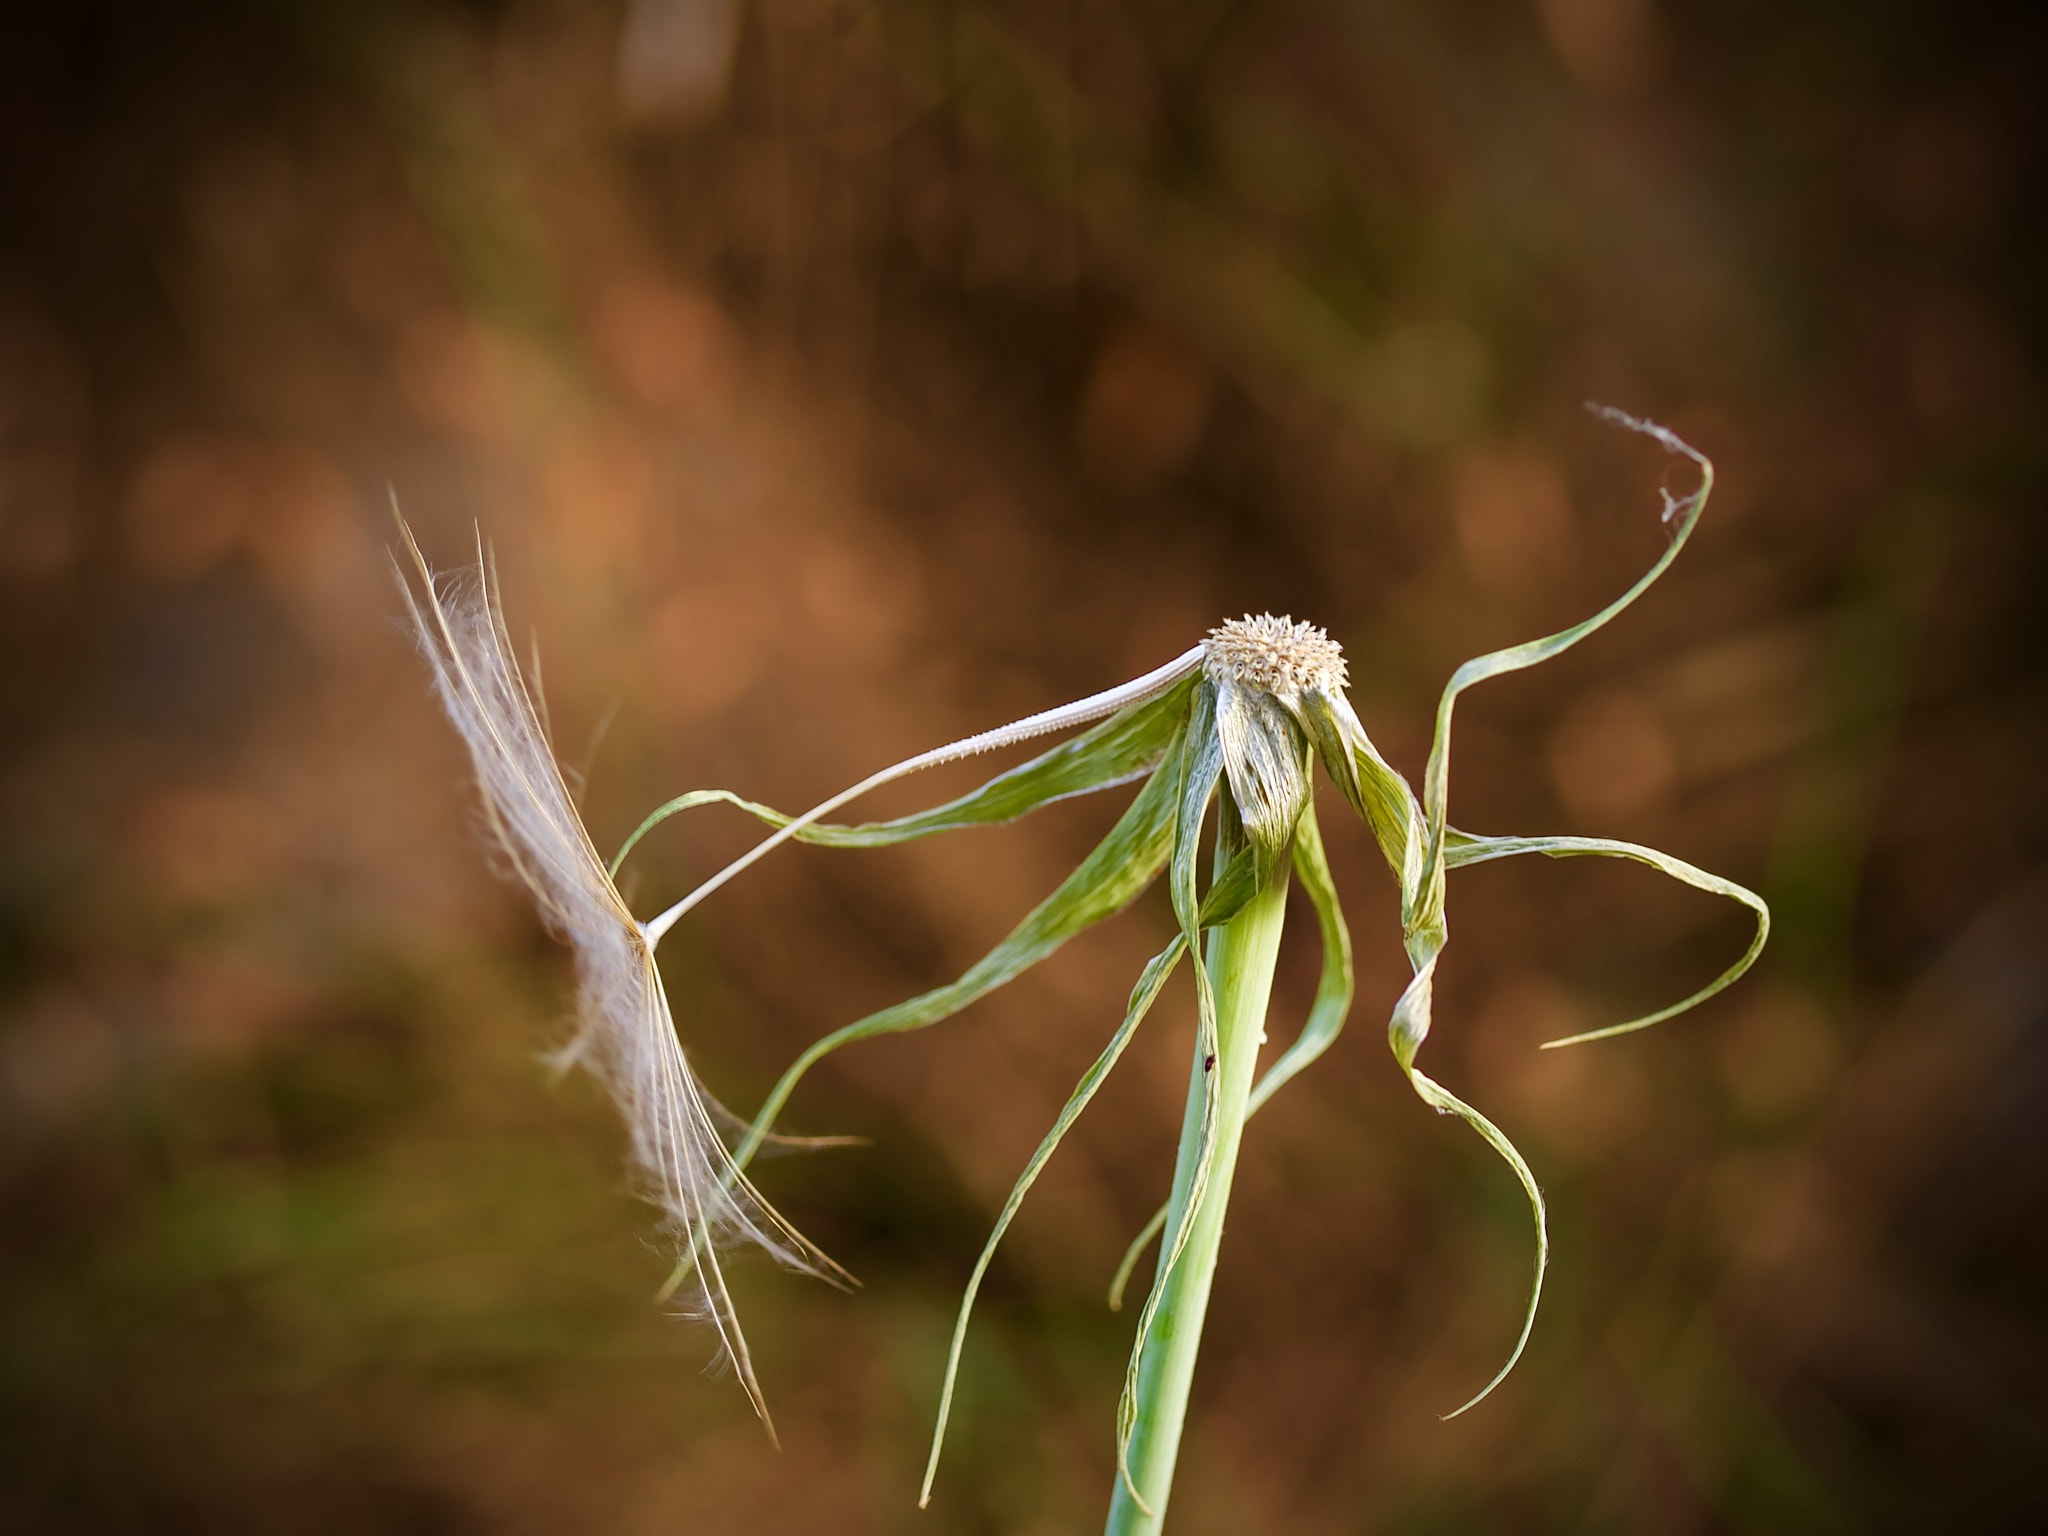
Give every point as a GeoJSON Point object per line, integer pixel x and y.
{"type": "Point", "coordinates": [1676, 508]}
{"type": "Point", "coordinates": [1444, 1101]}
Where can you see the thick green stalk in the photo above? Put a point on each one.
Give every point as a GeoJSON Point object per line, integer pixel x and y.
{"type": "Point", "coordinates": [1240, 960]}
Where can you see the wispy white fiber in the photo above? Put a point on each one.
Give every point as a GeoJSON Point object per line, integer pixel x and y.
{"type": "Point", "coordinates": [1097, 706]}
{"type": "Point", "coordinates": [626, 1033]}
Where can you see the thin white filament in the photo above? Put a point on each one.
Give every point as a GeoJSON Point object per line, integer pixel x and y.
{"type": "Point", "coordinates": [1095, 707]}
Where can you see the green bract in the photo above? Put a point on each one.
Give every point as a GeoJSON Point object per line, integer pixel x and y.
{"type": "Point", "coordinates": [1236, 723]}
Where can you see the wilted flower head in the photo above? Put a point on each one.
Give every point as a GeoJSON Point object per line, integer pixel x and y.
{"type": "Point", "coordinates": [1234, 724]}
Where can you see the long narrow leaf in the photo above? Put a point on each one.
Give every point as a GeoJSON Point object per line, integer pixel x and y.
{"type": "Point", "coordinates": [1681, 515]}
{"type": "Point", "coordinates": [1154, 977]}
{"type": "Point", "coordinates": [1121, 748]}
{"type": "Point", "coordinates": [1121, 1280]}
{"type": "Point", "coordinates": [1378, 793]}
{"type": "Point", "coordinates": [1127, 860]}
{"type": "Point", "coordinates": [1406, 1031]}
{"type": "Point", "coordinates": [1334, 987]}
{"type": "Point", "coordinates": [1464, 848]}
{"type": "Point", "coordinates": [1444, 1101]}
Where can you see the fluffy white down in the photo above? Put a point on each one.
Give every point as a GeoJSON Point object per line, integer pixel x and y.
{"type": "Point", "coordinates": [626, 1034]}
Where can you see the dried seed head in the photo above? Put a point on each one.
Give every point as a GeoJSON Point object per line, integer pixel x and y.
{"type": "Point", "coordinates": [1277, 656]}
{"type": "Point", "coordinates": [1260, 669]}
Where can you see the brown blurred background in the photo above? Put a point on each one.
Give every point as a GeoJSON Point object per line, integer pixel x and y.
{"type": "Point", "coordinates": [835, 377]}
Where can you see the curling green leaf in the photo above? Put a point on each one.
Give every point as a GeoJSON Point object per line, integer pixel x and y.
{"type": "Point", "coordinates": [1379, 794]}
{"type": "Point", "coordinates": [1464, 848]}
{"type": "Point", "coordinates": [1406, 1031]}
{"type": "Point", "coordinates": [1443, 1101]}
{"type": "Point", "coordinates": [1424, 929]}
{"type": "Point", "coordinates": [1127, 744]}
{"type": "Point", "coordinates": [1132, 1254]}
{"type": "Point", "coordinates": [1681, 515]}
{"type": "Point", "coordinates": [1142, 997]}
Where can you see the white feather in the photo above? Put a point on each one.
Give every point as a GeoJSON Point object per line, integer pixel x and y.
{"type": "Point", "coordinates": [626, 1033]}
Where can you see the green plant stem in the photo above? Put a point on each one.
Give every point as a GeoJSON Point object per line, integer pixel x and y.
{"type": "Point", "coordinates": [1240, 959]}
